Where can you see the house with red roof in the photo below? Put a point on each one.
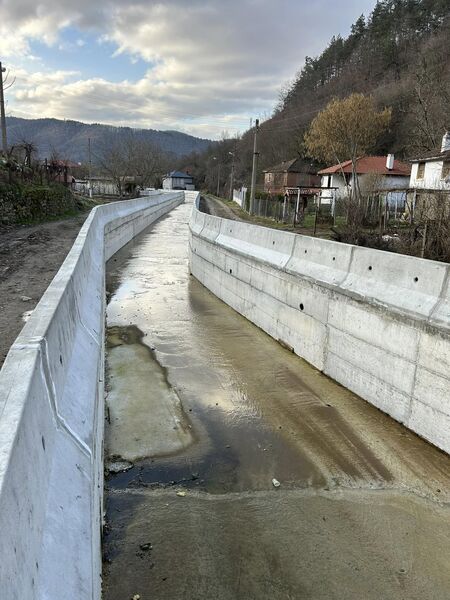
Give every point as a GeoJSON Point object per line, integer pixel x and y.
{"type": "Point", "coordinates": [373, 173]}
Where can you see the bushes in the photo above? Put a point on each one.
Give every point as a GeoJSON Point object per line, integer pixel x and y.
{"type": "Point", "coordinates": [22, 203]}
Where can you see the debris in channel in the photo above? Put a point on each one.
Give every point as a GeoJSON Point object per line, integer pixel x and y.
{"type": "Point", "coordinates": [119, 466]}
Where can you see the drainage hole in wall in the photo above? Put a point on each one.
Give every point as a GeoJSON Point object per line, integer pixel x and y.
{"type": "Point", "coordinates": [60, 358]}
{"type": "Point", "coordinates": [301, 306]}
{"type": "Point", "coordinates": [231, 270]}
{"type": "Point", "coordinates": [370, 268]}
{"type": "Point", "coordinates": [334, 258]}
{"type": "Point", "coordinates": [416, 279]}
{"type": "Point", "coordinates": [273, 243]}
{"type": "Point", "coordinates": [306, 251]}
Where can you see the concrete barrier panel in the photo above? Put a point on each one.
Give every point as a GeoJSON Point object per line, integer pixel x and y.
{"type": "Point", "coordinates": [405, 284]}
{"type": "Point", "coordinates": [320, 260]}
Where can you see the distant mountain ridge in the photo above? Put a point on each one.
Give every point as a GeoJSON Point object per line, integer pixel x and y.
{"type": "Point", "coordinates": [69, 139]}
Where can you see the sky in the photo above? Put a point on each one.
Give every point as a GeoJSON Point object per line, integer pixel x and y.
{"type": "Point", "coordinates": [204, 67]}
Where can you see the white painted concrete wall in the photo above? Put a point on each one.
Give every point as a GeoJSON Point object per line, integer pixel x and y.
{"type": "Point", "coordinates": [51, 419]}
{"type": "Point", "coordinates": [239, 196]}
{"type": "Point", "coordinates": [376, 322]}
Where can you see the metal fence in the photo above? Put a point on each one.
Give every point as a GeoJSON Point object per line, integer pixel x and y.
{"type": "Point", "coordinates": [377, 209]}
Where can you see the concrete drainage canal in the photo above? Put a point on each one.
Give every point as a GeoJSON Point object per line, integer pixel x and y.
{"type": "Point", "coordinates": [206, 415]}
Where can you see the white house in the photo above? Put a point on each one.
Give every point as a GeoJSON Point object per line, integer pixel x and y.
{"type": "Point", "coordinates": [177, 180]}
{"type": "Point", "coordinates": [373, 172]}
{"type": "Point", "coordinates": [432, 172]}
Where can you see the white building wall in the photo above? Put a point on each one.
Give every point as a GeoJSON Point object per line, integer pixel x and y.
{"type": "Point", "coordinates": [173, 183]}
{"type": "Point", "coordinates": [338, 181]}
{"type": "Point", "coordinates": [432, 176]}
{"type": "Point", "coordinates": [334, 181]}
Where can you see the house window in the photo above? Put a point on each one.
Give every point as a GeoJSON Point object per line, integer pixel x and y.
{"type": "Point", "coordinates": [445, 169]}
{"type": "Point", "coordinates": [421, 170]}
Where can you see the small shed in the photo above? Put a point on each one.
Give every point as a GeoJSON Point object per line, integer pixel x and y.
{"type": "Point", "coordinates": [293, 173]}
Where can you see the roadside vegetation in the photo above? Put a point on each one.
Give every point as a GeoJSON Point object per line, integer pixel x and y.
{"type": "Point", "coordinates": [426, 235]}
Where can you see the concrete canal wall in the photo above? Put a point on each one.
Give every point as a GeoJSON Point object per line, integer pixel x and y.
{"type": "Point", "coordinates": [51, 419]}
{"type": "Point", "coordinates": [376, 322]}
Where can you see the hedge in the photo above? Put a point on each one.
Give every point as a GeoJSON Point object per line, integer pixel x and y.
{"type": "Point", "coordinates": [22, 203]}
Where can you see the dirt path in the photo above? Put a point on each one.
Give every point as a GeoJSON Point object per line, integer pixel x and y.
{"type": "Point", "coordinates": [217, 208]}
{"type": "Point", "coordinates": [29, 259]}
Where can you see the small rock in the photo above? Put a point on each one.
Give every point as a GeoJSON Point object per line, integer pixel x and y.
{"type": "Point", "coordinates": [25, 298]}
{"type": "Point", "coordinates": [119, 466]}
{"type": "Point", "coordinates": [136, 597]}
{"type": "Point", "coordinates": [181, 494]}
{"type": "Point", "coordinates": [145, 547]}
{"type": "Point", "coordinates": [275, 483]}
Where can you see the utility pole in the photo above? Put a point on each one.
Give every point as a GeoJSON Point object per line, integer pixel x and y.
{"type": "Point", "coordinates": [254, 168]}
{"type": "Point", "coordinates": [218, 178]}
{"type": "Point", "coordinates": [218, 175]}
{"type": "Point", "coordinates": [231, 175]}
{"type": "Point", "coordinates": [2, 111]}
{"type": "Point", "coordinates": [90, 168]}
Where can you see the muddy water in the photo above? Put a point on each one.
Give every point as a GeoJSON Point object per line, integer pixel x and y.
{"type": "Point", "coordinates": [208, 409]}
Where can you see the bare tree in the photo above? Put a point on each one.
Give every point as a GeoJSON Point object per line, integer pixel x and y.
{"type": "Point", "coordinates": [130, 157]}
{"type": "Point", "coordinates": [347, 130]}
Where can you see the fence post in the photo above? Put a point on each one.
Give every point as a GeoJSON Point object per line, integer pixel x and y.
{"type": "Point", "coordinates": [424, 239]}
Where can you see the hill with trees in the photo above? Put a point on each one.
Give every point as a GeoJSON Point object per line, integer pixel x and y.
{"type": "Point", "coordinates": [399, 54]}
{"type": "Point", "coordinates": [69, 139]}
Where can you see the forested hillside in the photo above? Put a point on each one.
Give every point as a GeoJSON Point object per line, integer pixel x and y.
{"type": "Point", "coordinates": [400, 54]}
{"type": "Point", "coordinates": [69, 139]}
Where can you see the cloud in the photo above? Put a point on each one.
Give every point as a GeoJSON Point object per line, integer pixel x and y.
{"type": "Point", "coordinates": [211, 64]}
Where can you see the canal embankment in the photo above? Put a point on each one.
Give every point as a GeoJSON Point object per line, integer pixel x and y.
{"type": "Point", "coordinates": [52, 419]}
{"type": "Point", "coordinates": [376, 322]}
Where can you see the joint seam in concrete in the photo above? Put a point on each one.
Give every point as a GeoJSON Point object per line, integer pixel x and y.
{"type": "Point", "coordinates": [60, 421]}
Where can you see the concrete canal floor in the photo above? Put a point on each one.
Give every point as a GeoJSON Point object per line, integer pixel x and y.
{"type": "Point", "coordinates": [208, 410]}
